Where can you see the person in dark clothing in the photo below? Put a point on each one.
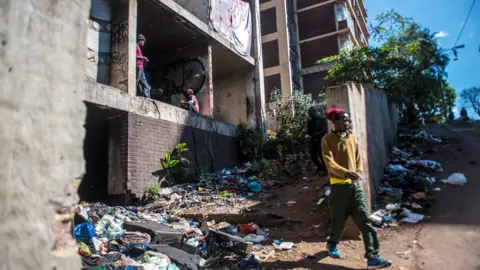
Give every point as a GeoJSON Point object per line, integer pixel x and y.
{"type": "Point", "coordinates": [317, 127]}
{"type": "Point", "coordinates": [143, 89]}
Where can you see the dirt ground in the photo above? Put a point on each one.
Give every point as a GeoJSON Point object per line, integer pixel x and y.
{"type": "Point", "coordinates": [448, 239]}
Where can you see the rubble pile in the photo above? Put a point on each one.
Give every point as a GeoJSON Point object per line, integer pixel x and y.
{"type": "Point", "coordinates": [142, 237]}
{"type": "Point", "coordinates": [407, 192]}
{"type": "Point", "coordinates": [133, 238]}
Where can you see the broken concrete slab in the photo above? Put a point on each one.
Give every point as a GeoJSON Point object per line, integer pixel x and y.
{"type": "Point", "coordinates": [180, 257]}
{"type": "Point", "coordinates": [160, 234]}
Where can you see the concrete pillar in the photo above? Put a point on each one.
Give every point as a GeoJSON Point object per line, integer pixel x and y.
{"type": "Point", "coordinates": [42, 78]}
{"type": "Point", "coordinates": [208, 95]}
{"type": "Point", "coordinates": [123, 41]}
{"type": "Point", "coordinates": [259, 81]}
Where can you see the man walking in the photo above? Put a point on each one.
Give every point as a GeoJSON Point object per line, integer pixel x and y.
{"type": "Point", "coordinates": [143, 89]}
{"type": "Point", "coordinates": [344, 166]}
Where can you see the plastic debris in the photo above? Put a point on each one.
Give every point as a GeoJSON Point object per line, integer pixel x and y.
{"type": "Point", "coordinates": [427, 164]}
{"type": "Point", "coordinates": [413, 218]}
{"type": "Point", "coordinates": [291, 203]}
{"type": "Point", "coordinates": [284, 245]}
{"type": "Point", "coordinates": [255, 187]}
{"type": "Point", "coordinates": [110, 227]}
{"type": "Point", "coordinates": [254, 238]}
{"type": "Point", "coordinates": [84, 232]}
{"type": "Point", "coordinates": [457, 179]}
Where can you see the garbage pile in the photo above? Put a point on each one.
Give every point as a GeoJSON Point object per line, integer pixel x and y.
{"type": "Point", "coordinates": [134, 238]}
{"type": "Point", "coordinates": [222, 190]}
{"type": "Point", "coordinates": [104, 244]}
{"type": "Point", "coordinates": [406, 191]}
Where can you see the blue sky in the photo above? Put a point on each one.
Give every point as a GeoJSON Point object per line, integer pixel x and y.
{"type": "Point", "coordinates": [447, 17]}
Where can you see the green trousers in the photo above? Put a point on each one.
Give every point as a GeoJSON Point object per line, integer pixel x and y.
{"type": "Point", "coordinates": [349, 200]}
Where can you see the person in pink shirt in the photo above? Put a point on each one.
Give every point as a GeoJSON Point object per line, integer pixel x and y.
{"type": "Point", "coordinates": [143, 89]}
{"type": "Point", "coordinates": [192, 103]}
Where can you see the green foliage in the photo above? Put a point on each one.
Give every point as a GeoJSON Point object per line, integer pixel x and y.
{"type": "Point", "coordinates": [151, 193]}
{"type": "Point", "coordinates": [173, 164]}
{"type": "Point", "coordinates": [250, 143]}
{"type": "Point", "coordinates": [408, 65]}
{"type": "Point", "coordinates": [271, 136]}
{"type": "Point", "coordinates": [291, 113]}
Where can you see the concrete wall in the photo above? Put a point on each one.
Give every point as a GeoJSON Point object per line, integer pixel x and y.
{"type": "Point", "coordinates": [42, 66]}
{"type": "Point", "coordinates": [230, 99]}
{"type": "Point", "coordinates": [374, 124]}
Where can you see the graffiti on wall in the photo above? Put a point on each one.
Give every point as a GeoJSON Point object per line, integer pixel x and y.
{"type": "Point", "coordinates": [119, 57]}
{"type": "Point", "coordinates": [183, 75]}
{"type": "Point", "coordinates": [120, 32]}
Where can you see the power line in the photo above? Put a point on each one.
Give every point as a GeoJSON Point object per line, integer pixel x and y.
{"type": "Point", "coordinates": [465, 23]}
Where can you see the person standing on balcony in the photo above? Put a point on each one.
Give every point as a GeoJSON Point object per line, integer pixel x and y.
{"type": "Point", "coordinates": [344, 165]}
{"type": "Point", "coordinates": [143, 89]}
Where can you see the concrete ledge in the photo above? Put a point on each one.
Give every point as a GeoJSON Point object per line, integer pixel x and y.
{"type": "Point", "coordinates": [111, 97]}
{"type": "Point", "coordinates": [316, 69]}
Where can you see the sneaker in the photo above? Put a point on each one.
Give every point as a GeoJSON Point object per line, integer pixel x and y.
{"type": "Point", "coordinates": [378, 263]}
{"type": "Point", "coordinates": [333, 251]}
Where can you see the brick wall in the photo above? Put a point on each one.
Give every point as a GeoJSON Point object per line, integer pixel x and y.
{"type": "Point", "coordinates": [146, 140]}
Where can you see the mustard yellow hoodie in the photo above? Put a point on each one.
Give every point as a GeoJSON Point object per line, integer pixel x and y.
{"type": "Point", "coordinates": [341, 156]}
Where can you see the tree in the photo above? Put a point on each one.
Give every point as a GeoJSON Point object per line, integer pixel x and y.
{"type": "Point", "coordinates": [408, 65]}
{"type": "Point", "coordinates": [464, 115]}
{"type": "Point", "coordinates": [471, 97]}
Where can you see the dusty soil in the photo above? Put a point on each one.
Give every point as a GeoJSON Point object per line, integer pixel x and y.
{"type": "Point", "coordinates": [448, 239]}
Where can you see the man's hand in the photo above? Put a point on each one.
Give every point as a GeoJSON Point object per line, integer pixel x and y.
{"type": "Point", "coordinates": [353, 176]}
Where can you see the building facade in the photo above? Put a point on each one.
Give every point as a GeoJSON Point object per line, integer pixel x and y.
{"type": "Point", "coordinates": [189, 46]}
{"type": "Point", "coordinates": [298, 33]}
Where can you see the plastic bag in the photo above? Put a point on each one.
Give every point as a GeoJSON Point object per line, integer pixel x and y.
{"type": "Point", "coordinates": [457, 179]}
{"type": "Point", "coordinates": [428, 164]}
{"type": "Point", "coordinates": [255, 187]}
{"type": "Point", "coordinates": [84, 232]}
{"type": "Point", "coordinates": [110, 227]}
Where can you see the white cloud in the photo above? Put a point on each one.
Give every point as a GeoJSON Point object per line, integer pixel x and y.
{"type": "Point", "coordinates": [455, 111]}
{"type": "Point", "coordinates": [441, 34]}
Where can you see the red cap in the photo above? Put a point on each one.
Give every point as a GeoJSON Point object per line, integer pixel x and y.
{"type": "Point", "coordinates": [332, 113]}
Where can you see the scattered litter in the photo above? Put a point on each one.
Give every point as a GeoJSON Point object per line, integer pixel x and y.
{"type": "Point", "coordinates": [396, 168]}
{"type": "Point", "coordinates": [437, 189]}
{"type": "Point", "coordinates": [413, 218]}
{"type": "Point", "coordinates": [407, 183]}
{"type": "Point", "coordinates": [254, 238]}
{"type": "Point", "coordinates": [291, 203]}
{"type": "Point", "coordinates": [427, 164]}
{"type": "Point", "coordinates": [457, 179]}
{"type": "Point", "coordinates": [284, 246]}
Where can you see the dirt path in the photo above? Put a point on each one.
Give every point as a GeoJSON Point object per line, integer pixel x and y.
{"type": "Point", "coordinates": [450, 239]}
